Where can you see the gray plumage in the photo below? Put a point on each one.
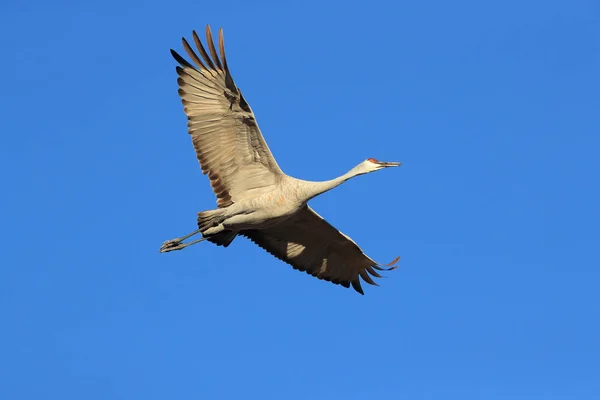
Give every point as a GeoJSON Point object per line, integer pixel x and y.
{"type": "Point", "coordinates": [254, 197]}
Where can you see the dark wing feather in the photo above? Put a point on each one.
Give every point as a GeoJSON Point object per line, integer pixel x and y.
{"type": "Point", "coordinates": [309, 243]}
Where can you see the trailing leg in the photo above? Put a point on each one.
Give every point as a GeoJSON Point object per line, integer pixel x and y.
{"type": "Point", "coordinates": [175, 244]}
{"type": "Point", "coordinates": [210, 225]}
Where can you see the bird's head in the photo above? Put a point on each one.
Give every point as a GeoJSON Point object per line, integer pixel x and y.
{"type": "Point", "coordinates": [371, 165]}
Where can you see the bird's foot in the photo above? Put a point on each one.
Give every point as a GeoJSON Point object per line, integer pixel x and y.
{"type": "Point", "coordinates": [176, 244]}
{"type": "Point", "coordinates": [171, 245]}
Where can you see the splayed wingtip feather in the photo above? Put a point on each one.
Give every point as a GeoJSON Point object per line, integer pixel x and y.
{"type": "Point", "coordinates": [211, 47]}
{"type": "Point", "coordinates": [367, 278]}
{"type": "Point", "coordinates": [202, 50]}
{"type": "Point", "coordinates": [222, 49]}
{"type": "Point", "coordinates": [357, 287]}
{"type": "Point", "coordinates": [180, 59]}
{"type": "Point", "coordinates": [192, 53]}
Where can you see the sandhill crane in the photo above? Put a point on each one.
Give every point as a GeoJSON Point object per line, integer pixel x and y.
{"type": "Point", "coordinates": [255, 198]}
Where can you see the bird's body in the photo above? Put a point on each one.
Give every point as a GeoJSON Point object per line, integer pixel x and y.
{"type": "Point", "coordinates": [254, 197]}
{"type": "Point", "coordinates": [270, 208]}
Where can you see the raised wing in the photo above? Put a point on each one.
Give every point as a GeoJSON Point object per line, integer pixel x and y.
{"type": "Point", "coordinates": [228, 142]}
{"type": "Point", "coordinates": [309, 243]}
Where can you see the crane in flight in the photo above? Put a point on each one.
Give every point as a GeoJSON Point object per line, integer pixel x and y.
{"type": "Point", "coordinates": [255, 198]}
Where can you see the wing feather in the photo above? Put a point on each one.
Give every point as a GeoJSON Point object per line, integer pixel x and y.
{"type": "Point", "coordinates": [228, 143]}
{"type": "Point", "coordinates": [309, 243]}
{"type": "Point", "coordinates": [222, 49]}
{"type": "Point", "coordinates": [192, 53]}
{"type": "Point", "coordinates": [211, 47]}
{"type": "Point", "coordinates": [203, 51]}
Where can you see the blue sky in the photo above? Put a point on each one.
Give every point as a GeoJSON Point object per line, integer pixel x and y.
{"type": "Point", "coordinates": [493, 108]}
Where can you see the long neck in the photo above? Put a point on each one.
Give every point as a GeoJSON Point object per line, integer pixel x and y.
{"type": "Point", "coordinates": [313, 189]}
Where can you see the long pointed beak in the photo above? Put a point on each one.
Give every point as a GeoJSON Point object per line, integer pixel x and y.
{"type": "Point", "coordinates": [390, 164]}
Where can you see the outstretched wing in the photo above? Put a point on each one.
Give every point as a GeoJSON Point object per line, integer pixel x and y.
{"type": "Point", "coordinates": [226, 137]}
{"type": "Point", "coordinates": [309, 243]}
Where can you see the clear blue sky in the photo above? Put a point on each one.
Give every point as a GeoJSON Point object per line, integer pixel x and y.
{"type": "Point", "coordinates": [493, 108]}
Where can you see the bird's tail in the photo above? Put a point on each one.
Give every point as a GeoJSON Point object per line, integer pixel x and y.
{"type": "Point", "coordinates": [209, 219]}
